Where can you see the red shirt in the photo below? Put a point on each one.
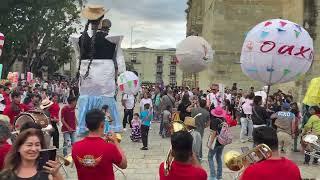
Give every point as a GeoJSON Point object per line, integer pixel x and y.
{"type": "Point", "coordinates": [6, 98]}
{"type": "Point", "coordinates": [275, 169]}
{"type": "Point", "coordinates": [54, 111]}
{"type": "Point", "coordinates": [94, 157]}
{"type": "Point", "coordinates": [181, 171]}
{"type": "Point", "coordinates": [4, 149]}
{"type": "Point", "coordinates": [13, 114]}
{"type": "Point", "coordinates": [68, 114]}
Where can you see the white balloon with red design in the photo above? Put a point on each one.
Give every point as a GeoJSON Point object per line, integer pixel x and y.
{"type": "Point", "coordinates": [128, 82]}
{"type": "Point", "coordinates": [1, 42]}
{"type": "Point", "coordinates": [193, 54]}
{"type": "Point", "coordinates": [276, 51]}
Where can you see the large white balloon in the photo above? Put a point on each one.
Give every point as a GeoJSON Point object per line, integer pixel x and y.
{"type": "Point", "coordinates": [193, 54]}
{"type": "Point", "coordinates": [128, 82]}
{"type": "Point", "coordinates": [276, 51]}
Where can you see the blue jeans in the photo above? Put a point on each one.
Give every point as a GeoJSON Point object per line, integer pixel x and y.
{"type": "Point", "coordinates": [217, 152]}
{"type": "Point", "coordinates": [246, 127]}
{"type": "Point", "coordinates": [68, 140]}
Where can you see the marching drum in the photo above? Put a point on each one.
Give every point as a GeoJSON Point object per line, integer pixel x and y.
{"type": "Point", "coordinates": [31, 116]}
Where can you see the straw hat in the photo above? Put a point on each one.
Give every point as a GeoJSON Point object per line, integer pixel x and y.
{"type": "Point", "coordinates": [218, 112]}
{"type": "Point", "coordinates": [190, 121]}
{"type": "Point", "coordinates": [45, 103]}
{"type": "Point", "coordinates": [93, 12]}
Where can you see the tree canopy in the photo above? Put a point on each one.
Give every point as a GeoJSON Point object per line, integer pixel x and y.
{"type": "Point", "coordinates": [37, 33]}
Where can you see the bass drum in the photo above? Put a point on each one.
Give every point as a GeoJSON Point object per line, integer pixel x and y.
{"type": "Point", "coordinates": [37, 117]}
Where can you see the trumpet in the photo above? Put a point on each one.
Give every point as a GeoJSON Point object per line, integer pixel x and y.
{"type": "Point", "coordinates": [312, 145]}
{"type": "Point", "coordinates": [236, 161]}
{"type": "Point", "coordinates": [66, 161]}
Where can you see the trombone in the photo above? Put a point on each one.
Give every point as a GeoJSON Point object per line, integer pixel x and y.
{"type": "Point", "coordinates": [236, 161]}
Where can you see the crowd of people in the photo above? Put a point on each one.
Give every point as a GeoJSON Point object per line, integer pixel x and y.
{"type": "Point", "coordinates": [274, 120]}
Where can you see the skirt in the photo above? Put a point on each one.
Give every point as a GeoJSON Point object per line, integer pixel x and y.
{"type": "Point", "coordinates": [135, 134]}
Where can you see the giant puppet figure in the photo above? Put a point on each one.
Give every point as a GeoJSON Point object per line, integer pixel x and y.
{"type": "Point", "coordinates": [101, 60]}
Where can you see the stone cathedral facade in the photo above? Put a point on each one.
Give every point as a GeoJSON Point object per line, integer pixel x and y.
{"type": "Point", "coordinates": [224, 23]}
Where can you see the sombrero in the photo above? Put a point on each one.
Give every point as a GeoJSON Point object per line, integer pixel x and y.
{"type": "Point", "coordinates": [190, 121]}
{"type": "Point", "coordinates": [45, 104]}
{"type": "Point", "coordinates": [93, 12]}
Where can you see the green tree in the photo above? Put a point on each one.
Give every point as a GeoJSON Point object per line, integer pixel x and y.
{"type": "Point", "coordinates": [37, 32]}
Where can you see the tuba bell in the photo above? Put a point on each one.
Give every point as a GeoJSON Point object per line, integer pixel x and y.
{"type": "Point", "coordinates": [236, 161]}
{"type": "Point", "coordinates": [175, 126]}
{"type": "Point", "coordinates": [312, 145]}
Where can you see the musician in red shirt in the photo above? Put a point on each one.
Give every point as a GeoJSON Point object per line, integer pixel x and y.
{"type": "Point", "coordinates": [94, 156]}
{"type": "Point", "coordinates": [4, 145]}
{"type": "Point", "coordinates": [14, 108]}
{"type": "Point", "coordinates": [185, 164]}
{"type": "Point", "coordinates": [274, 168]}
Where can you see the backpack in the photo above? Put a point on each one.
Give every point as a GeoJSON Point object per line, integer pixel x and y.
{"type": "Point", "coordinates": [225, 135]}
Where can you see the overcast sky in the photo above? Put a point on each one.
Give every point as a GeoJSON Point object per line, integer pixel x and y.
{"type": "Point", "coordinates": [156, 23]}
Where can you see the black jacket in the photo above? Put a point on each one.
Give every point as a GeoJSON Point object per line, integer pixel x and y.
{"type": "Point", "coordinates": [259, 115]}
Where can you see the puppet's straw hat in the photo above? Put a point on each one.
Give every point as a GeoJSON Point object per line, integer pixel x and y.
{"type": "Point", "coordinates": [93, 12]}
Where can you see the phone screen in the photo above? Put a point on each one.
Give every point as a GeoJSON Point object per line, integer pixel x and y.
{"type": "Point", "coordinates": [45, 156]}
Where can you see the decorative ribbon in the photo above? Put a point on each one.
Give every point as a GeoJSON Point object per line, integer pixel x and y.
{"type": "Point", "coordinates": [264, 34]}
{"type": "Point", "coordinates": [286, 72]}
{"type": "Point", "coordinates": [297, 33]}
{"type": "Point", "coordinates": [282, 23]}
{"type": "Point", "coordinates": [267, 24]}
{"type": "Point", "coordinates": [130, 84]}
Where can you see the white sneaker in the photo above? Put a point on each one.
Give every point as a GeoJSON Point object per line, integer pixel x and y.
{"type": "Point", "coordinates": [124, 129]}
{"type": "Point", "coordinates": [243, 140]}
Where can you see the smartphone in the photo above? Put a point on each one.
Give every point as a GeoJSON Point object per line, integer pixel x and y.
{"type": "Point", "coordinates": [45, 156]}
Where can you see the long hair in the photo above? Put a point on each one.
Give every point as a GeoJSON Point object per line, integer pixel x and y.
{"type": "Point", "coordinates": [94, 26]}
{"type": "Point", "coordinates": [185, 99]}
{"type": "Point", "coordinates": [13, 158]}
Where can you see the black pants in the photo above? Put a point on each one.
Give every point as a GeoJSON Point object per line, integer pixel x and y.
{"type": "Point", "coordinates": [55, 134]}
{"type": "Point", "coordinates": [128, 113]}
{"type": "Point", "coordinates": [144, 135]}
{"type": "Point", "coordinates": [307, 158]}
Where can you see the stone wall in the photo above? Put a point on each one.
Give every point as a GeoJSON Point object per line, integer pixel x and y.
{"type": "Point", "coordinates": [225, 23]}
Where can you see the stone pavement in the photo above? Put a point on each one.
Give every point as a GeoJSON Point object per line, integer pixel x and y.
{"type": "Point", "coordinates": [143, 165]}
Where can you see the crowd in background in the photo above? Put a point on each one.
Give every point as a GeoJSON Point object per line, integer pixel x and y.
{"type": "Point", "coordinates": [250, 109]}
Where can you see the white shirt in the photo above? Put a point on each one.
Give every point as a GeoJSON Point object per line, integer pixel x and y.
{"type": "Point", "coordinates": [145, 101]}
{"type": "Point", "coordinates": [228, 96]}
{"type": "Point", "coordinates": [129, 101]}
{"type": "Point", "coordinates": [215, 99]}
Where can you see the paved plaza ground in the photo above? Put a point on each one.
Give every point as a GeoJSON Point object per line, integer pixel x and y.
{"type": "Point", "coordinates": [143, 165]}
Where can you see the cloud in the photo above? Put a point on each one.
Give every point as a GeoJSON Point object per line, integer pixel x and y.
{"type": "Point", "coordinates": [154, 23]}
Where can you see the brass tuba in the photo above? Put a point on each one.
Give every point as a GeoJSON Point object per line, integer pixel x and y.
{"type": "Point", "coordinates": [236, 161]}
{"type": "Point", "coordinates": [312, 145]}
{"type": "Point", "coordinates": [175, 126]}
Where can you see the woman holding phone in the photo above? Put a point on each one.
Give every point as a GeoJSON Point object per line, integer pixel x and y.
{"type": "Point", "coordinates": [22, 160]}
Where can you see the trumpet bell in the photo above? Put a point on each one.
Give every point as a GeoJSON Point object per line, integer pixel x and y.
{"type": "Point", "coordinates": [67, 160]}
{"type": "Point", "coordinates": [232, 161]}
{"type": "Point", "coordinates": [119, 137]}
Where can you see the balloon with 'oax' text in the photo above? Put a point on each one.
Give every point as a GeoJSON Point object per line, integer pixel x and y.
{"type": "Point", "coordinates": [193, 54]}
{"type": "Point", "coordinates": [128, 83]}
{"type": "Point", "coordinates": [276, 51]}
